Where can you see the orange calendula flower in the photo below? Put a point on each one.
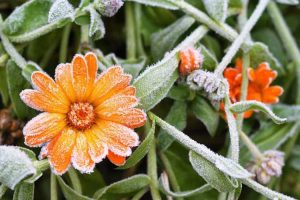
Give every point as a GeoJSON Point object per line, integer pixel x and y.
{"type": "Point", "coordinates": [85, 117]}
{"type": "Point", "coordinates": [259, 88]}
{"type": "Point", "coordinates": [190, 60]}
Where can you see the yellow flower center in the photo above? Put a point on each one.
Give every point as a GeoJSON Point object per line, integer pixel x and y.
{"type": "Point", "coordinates": [81, 115]}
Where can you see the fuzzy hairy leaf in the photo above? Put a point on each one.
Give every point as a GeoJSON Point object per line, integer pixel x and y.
{"type": "Point", "coordinates": [290, 112]}
{"type": "Point", "coordinates": [165, 39]}
{"type": "Point", "coordinates": [177, 116]}
{"type": "Point", "coordinates": [142, 150]}
{"type": "Point", "coordinates": [291, 2]}
{"type": "Point", "coordinates": [210, 61]}
{"type": "Point", "coordinates": [158, 3]}
{"type": "Point", "coordinates": [125, 186]}
{"type": "Point", "coordinates": [59, 10]}
{"type": "Point", "coordinates": [243, 106]}
{"type": "Point", "coordinates": [96, 29]}
{"type": "Point", "coordinates": [15, 165]}
{"type": "Point", "coordinates": [24, 191]}
{"type": "Point", "coordinates": [217, 9]}
{"type": "Point", "coordinates": [206, 113]}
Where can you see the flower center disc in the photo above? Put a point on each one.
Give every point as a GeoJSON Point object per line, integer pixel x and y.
{"type": "Point", "coordinates": [81, 115]}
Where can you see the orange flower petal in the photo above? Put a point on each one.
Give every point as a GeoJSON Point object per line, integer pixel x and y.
{"type": "Point", "coordinates": [97, 147]}
{"type": "Point", "coordinates": [116, 103]}
{"type": "Point", "coordinates": [43, 128]}
{"type": "Point", "coordinates": [63, 77]}
{"type": "Point", "coordinates": [47, 86]}
{"type": "Point", "coordinates": [109, 83]}
{"type": "Point", "coordinates": [37, 100]}
{"type": "Point", "coordinates": [116, 159]}
{"type": "Point", "coordinates": [273, 90]}
{"type": "Point", "coordinates": [131, 117]}
{"type": "Point", "coordinates": [128, 91]}
{"type": "Point", "coordinates": [80, 77]}
{"type": "Point", "coordinates": [92, 64]}
{"type": "Point", "coordinates": [61, 152]}
{"type": "Point", "coordinates": [239, 64]}
{"type": "Point", "coordinates": [248, 114]}
{"type": "Point", "coordinates": [251, 74]}
{"type": "Point", "coordinates": [81, 158]}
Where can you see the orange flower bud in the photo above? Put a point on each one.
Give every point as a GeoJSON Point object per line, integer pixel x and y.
{"type": "Point", "coordinates": [190, 60]}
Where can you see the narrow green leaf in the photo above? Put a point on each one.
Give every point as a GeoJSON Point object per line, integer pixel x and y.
{"type": "Point", "coordinates": [210, 61]}
{"type": "Point", "coordinates": [96, 29]}
{"type": "Point", "coordinates": [243, 106]}
{"type": "Point", "coordinates": [211, 174]}
{"type": "Point", "coordinates": [3, 86]}
{"type": "Point", "coordinates": [142, 150]}
{"type": "Point", "coordinates": [217, 9]}
{"type": "Point", "coordinates": [179, 92]}
{"type": "Point", "coordinates": [24, 191]}
{"type": "Point", "coordinates": [69, 193]}
{"type": "Point", "coordinates": [90, 183]}
{"type": "Point", "coordinates": [15, 165]}
{"type": "Point", "coordinates": [206, 113]}
{"type": "Point", "coordinates": [133, 67]}
{"type": "Point", "coordinates": [158, 3]}
{"type": "Point", "coordinates": [164, 187]}
{"type": "Point", "coordinates": [165, 39]}
{"type": "Point", "coordinates": [290, 2]}
{"type": "Point", "coordinates": [125, 186]}
{"type": "Point", "coordinates": [290, 112]}
{"type": "Point", "coordinates": [177, 116]}
{"type": "Point", "coordinates": [13, 73]}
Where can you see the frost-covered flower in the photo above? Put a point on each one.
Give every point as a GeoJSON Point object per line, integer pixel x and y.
{"type": "Point", "coordinates": [85, 117]}
{"type": "Point", "coordinates": [108, 8]}
{"type": "Point", "coordinates": [190, 60]}
{"type": "Point", "coordinates": [270, 166]}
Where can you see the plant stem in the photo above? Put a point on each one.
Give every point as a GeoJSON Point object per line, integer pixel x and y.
{"type": "Point", "coordinates": [241, 38]}
{"type": "Point", "coordinates": [139, 43]}
{"type": "Point", "coordinates": [140, 194]}
{"type": "Point", "coordinates": [251, 146]}
{"type": "Point", "coordinates": [75, 180]}
{"type": "Point", "coordinates": [130, 31]}
{"type": "Point", "coordinates": [41, 165]}
{"type": "Point", "coordinates": [243, 17]}
{"type": "Point", "coordinates": [64, 43]}
{"type": "Point", "coordinates": [84, 38]}
{"type": "Point", "coordinates": [53, 187]}
{"type": "Point", "coordinates": [170, 173]}
{"type": "Point", "coordinates": [3, 190]}
{"type": "Point", "coordinates": [287, 40]}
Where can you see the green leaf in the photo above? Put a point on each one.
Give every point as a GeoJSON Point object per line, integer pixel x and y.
{"type": "Point", "coordinates": [260, 53]}
{"type": "Point", "coordinates": [97, 29]}
{"type": "Point", "coordinates": [156, 81]}
{"type": "Point", "coordinates": [179, 92]}
{"type": "Point", "coordinates": [3, 86]}
{"type": "Point", "coordinates": [29, 68]}
{"type": "Point", "coordinates": [125, 186]}
{"type": "Point", "coordinates": [290, 112]}
{"type": "Point", "coordinates": [217, 9]}
{"type": "Point", "coordinates": [211, 174]}
{"type": "Point", "coordinates": [24, 191]}
{"type": "Point", "coordinates": [165, 39]}
{"type": "Point", "coordinates": [133, 67]}
{"type": "Point", "coordinates": [69, 193]}
{"type": "Point", "coordinates": [243, 106]}
{"type": "Point", "coordinates": [290, 2]}
{"type": "Point", "coordinates": [142, 150]}
{"type": "Point", "coordinates": [60, 9]}
{"type": "Point", "coordinates": [158, 3]}
{"type": "Point", "coordinates": [210, 61]}
{"type": "Point", "coordinates": [28, 17]}
{"type": "Point", "coordinates": [206, 113]}
{"type": "Point", "coordinates": [164, 184]}
{"type": "Point", "coordinates": [90, 183]}
{"type": "Point", "coordinates": [13, 73]}
{"type": "Point", "coordinates": [234, 7]}
{"type": "Point", "coordinates": [15, 165]}
{"type": "Point", "coordinates": [177, 116]}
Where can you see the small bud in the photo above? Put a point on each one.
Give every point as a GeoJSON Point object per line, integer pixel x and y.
{"type": "Point", "coordinates": [271, 165]}
{"type": "Point", "coordinates": [108, 8]}
{"type": "Point", "coordinates": [190, 60]}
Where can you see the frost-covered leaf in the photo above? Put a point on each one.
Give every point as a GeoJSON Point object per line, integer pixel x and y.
{"type": "Point", "coordinates": [291, 2]}
{"type": "Point", "coordinates": [290, 112]}
{"type": "Point", "coordinates": [3, 86]}
{"type": "Point", "coordinates": [13, 73]}
{"type": "Point", "coordinates": [211, 174]}
{"type": "Point", "coordinates": [69, 193]}
{"type": "Point", "coordinates": [27, 71]}
{"type": "Point", "coordinates": [142, 150]}
{"type": "Point", "coordinates": [243, 106]}
{"type": "Point", "coordinates": [217, 9]}
{"type": "Point", "coordinates": [163, 181]}
{"type": "Point", "coordinates": [165, 39]}
{"type": "Point", "coordinates": [123, 187]}
{"type": "Point", "coordinates": [206, 113]}
{"type": "Point", "coordinates": [96, 29]}
{"type": "Point", "coordinates": [59, 10]}
{"type": "Point", "coordinates": [24, 191]}
{"type": "Point", "coordinates": [158, 3]}
{"type": "Point", "coordinates": [156, 81]}
{"type": "Point", "coordinates": [178, 120]}
{"type": "Point", "coordinates": [133, 67]}
{"type": "Point", "coordinates": [15, 165]}
{"type": "Point", "coordinates": [210, 61]}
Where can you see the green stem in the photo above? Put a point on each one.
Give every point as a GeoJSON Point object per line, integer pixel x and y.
{"type": "Point", "coordinates": [287, 39]}
{"type": "Point", "coordinates": [243, 17]}
{"type": "Point", "coordinates": [140, 194]}
{"type": "Point", "coordinates": [64, 44]}
{"type": "Point", "coordinates": [130, 31]}
{"type": "Point", "coordinates": [53, 187]}
{"type": "Point", "coordinates": [84, 38]}
{"type": "Point", "coordinates": [41, 165]}
{"type": "Point", "coordinates": [242, 36]}
{"type": "Point", "coordinates": [75, 180]}
{"type": "Point", "coordinates": [251, 146]}
{"type": "Point", "coordinates": [170, 173]}
{"type": "Point", "coordinates": [3, 190]}
{"type": "Point", "coordinates": [138, 17]}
